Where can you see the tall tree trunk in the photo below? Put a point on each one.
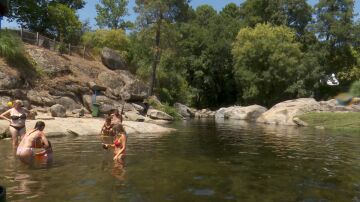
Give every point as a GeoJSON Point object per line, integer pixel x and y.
{"type": "Point", "coordinates": [157, 55]}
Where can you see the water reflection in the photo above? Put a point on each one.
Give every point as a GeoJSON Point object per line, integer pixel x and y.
{"type": "Point", "coordinates": [202, 161]}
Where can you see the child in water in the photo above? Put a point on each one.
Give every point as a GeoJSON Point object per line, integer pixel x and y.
{"type": "Point", "coordinates": [107, 130]}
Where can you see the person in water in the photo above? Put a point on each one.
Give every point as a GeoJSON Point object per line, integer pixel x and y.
{"type": "Point", "coordinates": [107, 130]}
{"type": "Point", "coordinates": [119, 144]}
{"type": "Point", "coordinates": [18, 115]}
{"type": "Point", "coordinates": [26, 149]}
{"type": "Point", "coordinates": [116, 117]}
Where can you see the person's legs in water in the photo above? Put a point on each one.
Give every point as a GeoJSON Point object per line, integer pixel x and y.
{"type": "Point", "coordinates": [26, 155]}
{"type": "Point", "coordinates": [15, 133]}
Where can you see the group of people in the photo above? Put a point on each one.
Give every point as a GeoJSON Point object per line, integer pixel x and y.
{"type": "Point", "coordinates": [34, 145]}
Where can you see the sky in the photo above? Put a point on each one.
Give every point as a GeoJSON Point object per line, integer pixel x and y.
{"type": "Point", "coordinates": [89, 12]}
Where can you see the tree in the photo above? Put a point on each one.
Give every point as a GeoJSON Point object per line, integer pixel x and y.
{"type": "Point", "coordinates": [110, 14]}
{"type": "Point", "coordinates": [154, 15]}
{"type": "Point", "coordinates": [64, 19]}
{"type": "Point", "coordinates": [206, 51]}
{"type": "Point", "coordinates": [334, 27]}
{"type": "Point", "coordinates": [34, 15]}
{"type": "Point", "coordinates": [115, 39]}
{"type": "Point", "coordinates": [268, 64]}
{"type": "Point", "coordinates": [292, 13]}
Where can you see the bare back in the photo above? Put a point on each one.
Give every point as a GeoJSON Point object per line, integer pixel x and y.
{"type": "Point", "coordinates": [30, 138]}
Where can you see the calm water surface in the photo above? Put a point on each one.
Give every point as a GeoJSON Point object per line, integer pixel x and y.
{"type": "Point", "coordinates": [202, 161]}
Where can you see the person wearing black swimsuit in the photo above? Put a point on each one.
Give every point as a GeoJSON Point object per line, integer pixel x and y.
{"type": "Point", "coordinates": [17, 119]}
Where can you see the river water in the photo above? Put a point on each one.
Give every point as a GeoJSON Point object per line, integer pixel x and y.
{"type": "Point", "coordinates": [202, 161]}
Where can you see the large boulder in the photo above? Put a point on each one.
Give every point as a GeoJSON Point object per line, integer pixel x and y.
{"type": "Point", "coordinates": [220, 113]}
{"type": "Point", "coordinates": [106, 104]}
{"type": "Point", "coordinates": [124, 85]}
{"type": "Point", "coordinates": [156, 114]}
{"type": "Point", "coordinates": [245, 113]}
{"type": "Point", "coordinates": [40, 98]}
{"type": "Point", "coordinates": [95, 87]}
{"type": "Point", "coordinates": [134, 116]}
{"type": "Point", "coordinates": [58, 110]}
{"type": "Point", "coordinates": [184, 110]}
{"type": "Point", "coordinates": [68, 103]}
{"type": "Point", "coordinates": [112, 60]}
{"type": "Point", "coordinates": [9, 82]}
{"type": "Point", "coordinates": [283, 113]}
{"type": "Point", "coordinates": [205, 114]}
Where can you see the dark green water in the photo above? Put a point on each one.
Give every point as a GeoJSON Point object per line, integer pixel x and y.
{"type": "Point", "coordinates": [203, 161]}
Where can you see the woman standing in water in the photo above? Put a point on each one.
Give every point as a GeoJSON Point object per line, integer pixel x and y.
{"type": "Point", "coordinates": [119, 144]}
{"type": "Point", "coordinates": [17, 120]}
{"type": "Point", "coordinates": [26, 148]}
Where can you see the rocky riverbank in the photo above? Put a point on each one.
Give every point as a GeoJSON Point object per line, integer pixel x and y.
{"type": "Point", "coordinates": [87, 126]}
{"type": "Point", "coordinates": [284, 113]}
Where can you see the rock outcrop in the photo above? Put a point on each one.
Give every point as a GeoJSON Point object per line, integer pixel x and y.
{"type": "Point", "coordinates": [88, 126]}
{"type": "Point", "coordinates": [156, 114]}
{"type": "Point", "coordinates": [204, 114]}
{"type": "Point", "coordinates": [184, 110]}
{"type": "Point", "coordinates": [112, 59]}
{"type": "Point", "coordinates": [9, 82]}
{"type": "Point", "coordinates": [283, 113]}
{"type": "Point", "coordinates": [250, 113]}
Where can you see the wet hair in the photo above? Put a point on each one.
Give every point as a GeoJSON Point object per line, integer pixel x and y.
{"type": "Point", "coordinates": [40, 125]}
{"type": "Point", "coordinates": [118, 128]}
{"type": "Point", "coordinates": [108, 119]}
{"type": "Point", "coordinates": [115, 112]}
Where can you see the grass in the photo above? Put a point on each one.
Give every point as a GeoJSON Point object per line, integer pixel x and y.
{"type": "Point", "coordinates": [334, 121]}
{"type": "Point", "coordinates": [12, 49]}
{"type": "Point", "coordinates": [165, 108]}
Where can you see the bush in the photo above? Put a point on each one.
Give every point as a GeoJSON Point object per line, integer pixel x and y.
{"type": "Point", "coordinates": [11, 46]}
{"type": "Point", "coordinates": [355, 89]}
{"type": "Point", "coordinates": [114, 39]}
{"type": "Point", "coordinates": [156, 104]}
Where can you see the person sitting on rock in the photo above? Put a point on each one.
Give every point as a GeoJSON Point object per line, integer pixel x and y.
{"type": "Point", "coordinates": [106, 130]}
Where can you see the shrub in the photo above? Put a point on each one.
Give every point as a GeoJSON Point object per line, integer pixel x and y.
{"type": "Point", "coordinates": [11, 46]}
{"type": "Point", "coordinates": [355, 89]}
{"type": "Point", "coordinates": [156, 104]}
{"type": "Point", "coordinates": [114, 39]}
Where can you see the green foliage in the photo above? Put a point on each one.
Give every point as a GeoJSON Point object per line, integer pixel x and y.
{"type": "Point", "coordinates": [292, 13]}
{"type": "Point", "coordinates": [34, 15]}
{"type": "Point", "coordinates": [164, 107]}
{"type": "Point", "coordinates": [355, 89]}
{"type": "Point", "coordinates": [12, 49]}
{"type": "Point", "coordinates": [110, 14]}
{"type": "Point", "coordinates": [65, 21]}
{"type": "Point", "coordinates": [334, 26]}
{"type": "Point", "coordinates": [10, 45]}
{"type": "Point", "coordinates": [268, 64]}
{"type": "Point", "coordinates": [115, 39]}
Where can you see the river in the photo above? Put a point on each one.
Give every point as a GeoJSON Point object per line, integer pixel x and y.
{"type": "Point", "coordinates": [202, 161]}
